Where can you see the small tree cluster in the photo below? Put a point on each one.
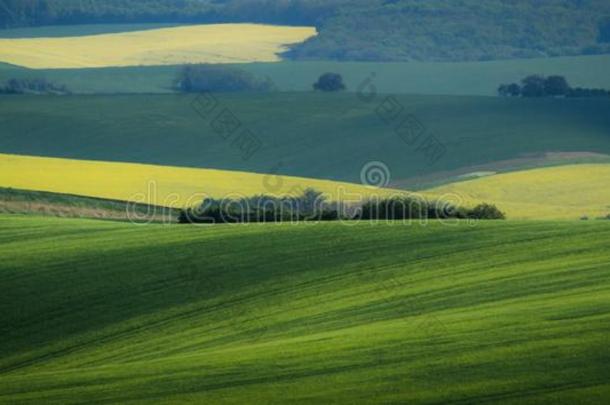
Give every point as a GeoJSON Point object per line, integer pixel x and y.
{"type": "Point", "coordinates": [329, 82]}
{"type": "Point", "coordinates": [218, 78]}
{"type": "Point", "coordinates": [32, 86]}
{"type": "Point", "coordinates": [312, 205]}
{"type": "Point", "coordinates": [400, 208]}
{"type": "Point", "coordinates": [551, 86]}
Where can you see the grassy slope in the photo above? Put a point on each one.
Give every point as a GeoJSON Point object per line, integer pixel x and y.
{"type": "Point", "coordinates": [163, 186]}
{"type": "Point", "coordinates": [311, 135]}
{"type": "Point", "coordinates": [14, 201]}
{"type": "Point", "coordinates": [570, 191]}
{"type": "Point", "coordinates": [112, 313]}
{"type": "Point", "coordinates": [469, 78]}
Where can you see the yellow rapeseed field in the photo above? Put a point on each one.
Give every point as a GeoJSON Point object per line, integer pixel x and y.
{"type": "Point", "coordinates": [562, 192]}
{"type": "Point", "coordinates": [210, 43]}
{"type": "Point", "coordinates": [159, 185]}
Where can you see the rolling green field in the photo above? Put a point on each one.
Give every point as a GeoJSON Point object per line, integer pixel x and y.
{"type": "Point", "coordinates": [327, 136]}
{"type": "Point", "coordinates": [460, 78]}
{"type": "Point", "coordinates": [101, 312]}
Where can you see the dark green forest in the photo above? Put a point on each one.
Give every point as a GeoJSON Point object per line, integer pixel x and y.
{"type": "Point", "coordinates": [371, 30]}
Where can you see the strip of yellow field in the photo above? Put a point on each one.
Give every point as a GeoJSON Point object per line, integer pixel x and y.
{"type": "Point", "coordinates": [212, 43]}
{"type": "Point", "coordinates": [160, 185]}
{"type": "Point", "coordinates": [562, 192]}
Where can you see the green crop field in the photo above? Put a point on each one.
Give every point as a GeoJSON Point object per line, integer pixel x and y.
{"type": "Point", "coordinates": [459, 78]}
{"type": "Point", "coordinates": [102, 312]}
{"type": "Point", "coordinates": [328, 136]}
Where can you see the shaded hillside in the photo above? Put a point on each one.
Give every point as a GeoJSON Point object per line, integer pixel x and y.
{"type": "Point", "coordinates": [329, 136]}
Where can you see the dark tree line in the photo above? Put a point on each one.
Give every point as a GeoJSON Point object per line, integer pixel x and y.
{"type": "Point", "coordinates": [218, 78]}
{"type": "Point", "coordinates": [551, 86]}
{"type": "Point", "coordinates": [311, 205]}
{"type": "Point", "coordinates": [49, 12]}
{"type": "Point", "coordinates": [32, 86]}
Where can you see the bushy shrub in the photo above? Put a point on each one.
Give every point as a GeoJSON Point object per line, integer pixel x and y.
{"type": "Point", "coordinates": [556, 86]}
{"type": "Point", "coordinates": [218, 78]}
{"type": "Point", "coordinates": [533, 86]}
{"type": "Point", "coordinates": [509, 90]}
{"type": "Point", "coordinates": [311, 205]}
{"type": "Point", "coordinates": [329, 82]}
{"type": "Point", "coordinates": [486, 211]}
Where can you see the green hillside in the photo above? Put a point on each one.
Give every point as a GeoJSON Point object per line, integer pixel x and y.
{"type": "Point", "coordinates": [397, 30]}
{"type": "Point", "coordinates": [329, 136]}
{"type": "Point", "coordinates": [104, 312]}
{"type": "Point", "coordinates": [455, 78]}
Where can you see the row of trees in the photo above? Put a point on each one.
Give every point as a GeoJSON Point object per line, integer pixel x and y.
{"type": "Point", "coordinates": [218, 78]}
{"type": "Point", "coordinates": [311, 205]}
{"type": "Point", "coordinates": [32, 86]}
{"type": "Point", "coordinates": [551, 86]}
{"type": "Point", "coordinates": [46, 12]}
{"type": "Point", "coordinates": [224, 78]}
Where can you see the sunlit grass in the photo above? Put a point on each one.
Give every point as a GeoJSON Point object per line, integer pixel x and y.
{"type": "Point", "coordinates": [503, 312]}
{"type": "Point", "coordinates": [562, 192]}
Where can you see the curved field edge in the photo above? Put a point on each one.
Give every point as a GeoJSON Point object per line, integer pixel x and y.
{"type": "Point", "coordinates": [28, 202]}
{"type": "Point", "coordinates": [213, 43]}
{"type": "Point", "coordinates": [559, 192]}
{"type": "Point", "coordinates": [163, 186]}
{"type": "Point", "coordinates": [510, 312]}
{"type": "Point", "coordinates": [330, 136]}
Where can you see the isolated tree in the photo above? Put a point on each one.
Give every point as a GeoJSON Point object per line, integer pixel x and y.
{"type": "Point", "coordinates": [329, 82]}
{"type": "Point", "coordinates": [556, 86]}
{"type": "Point", "coordinates": [533, 86]}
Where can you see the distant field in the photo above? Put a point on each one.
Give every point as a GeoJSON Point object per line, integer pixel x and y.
{"type": "Point", "coordinates": [214, 43]}
{"type": "Point", "coordinates": [57, 31]}
{"type": "Point", "coordinates": [508, 312]}
{"type": "Point", "coordinates": [569, 192]}
{"type": "Point", "coordinates": [156, 185]}
{"type": "Point", "coordinates": [329, 136]}
{"type": "Point", "coordinates": [470, 78]}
